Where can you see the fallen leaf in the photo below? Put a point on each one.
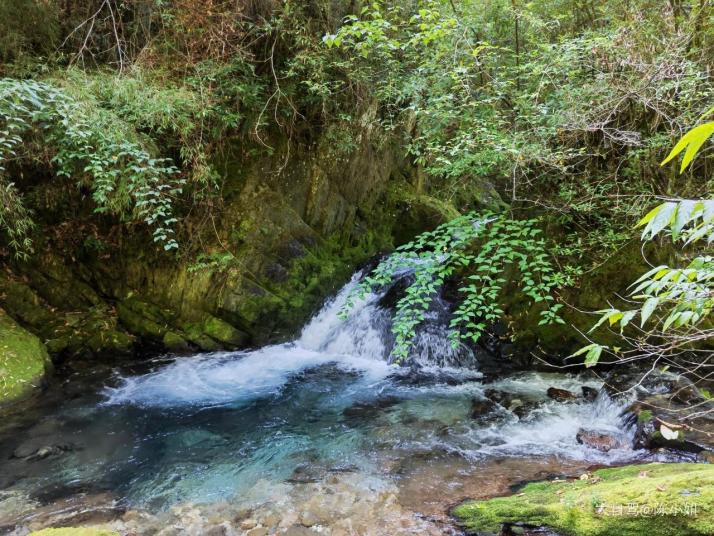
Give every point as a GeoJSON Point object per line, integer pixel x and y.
{"type": "Point", "coordinates": [668, 433]}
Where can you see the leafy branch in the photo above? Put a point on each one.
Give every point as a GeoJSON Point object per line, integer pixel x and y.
{"type": "Point", "coordinates": [484, 246]}
{"type": "Point", "coordinates": [123, 176]}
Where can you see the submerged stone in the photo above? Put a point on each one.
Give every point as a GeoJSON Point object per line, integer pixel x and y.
{"type": "Point", "coordinates": [589, 393]}
{"type": "Point", "coordinates": [74, 531]}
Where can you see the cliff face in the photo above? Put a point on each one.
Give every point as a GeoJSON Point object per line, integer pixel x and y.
{"type": "Point", "coordinates": [292, 227]}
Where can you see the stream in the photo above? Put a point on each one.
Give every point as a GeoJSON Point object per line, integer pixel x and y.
{"type": "Point", "coordinates": [318, 435]}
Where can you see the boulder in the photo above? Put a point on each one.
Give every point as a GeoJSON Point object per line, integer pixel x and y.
{"type": "Point", "coordinates": [600, 440]}
{"type": "Point", "coordinates": [560, 395]}
{"type": "Point", "coordinates": [589, 393]}
{"type": "Point", "coordinates": [221, 331]}
{"type": "Point", "coordinates": [480, 407]}
{"type": "Point", "coordinates": [24, 361]}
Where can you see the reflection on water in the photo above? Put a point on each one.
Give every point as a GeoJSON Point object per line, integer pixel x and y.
{"type": "Point", "coordinates": [275, 424]}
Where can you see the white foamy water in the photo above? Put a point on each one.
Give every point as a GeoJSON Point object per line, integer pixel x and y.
{"type": "Point", "coordinates": [355, 344]}
{"type": "Point", "coordinates": [550, 427]}
{"type": "Point", "coordinates": [364, 334]}
{"type": "Point", "coordinates": [361, 343]}
{"type": "Point", "coordinates": [224, 378]}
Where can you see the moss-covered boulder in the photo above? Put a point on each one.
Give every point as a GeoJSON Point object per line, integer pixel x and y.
{"type": "Point", "coordinates": [74, 531]}
{"type": "Point", "coordinates": [654, 499]}
{"type": "Point", "coordinates": [24, 361]}
{"type": "Point", "coordinates": [223, 332]}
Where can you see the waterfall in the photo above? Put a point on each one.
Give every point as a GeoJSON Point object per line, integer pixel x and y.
{"type": "Point", "coordinates": [361, 342]}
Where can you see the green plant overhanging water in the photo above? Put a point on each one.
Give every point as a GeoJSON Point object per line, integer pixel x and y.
{"type": "Point", "coordinates": [673, 303]}
{"type": "Point", "coordinates": [122, 175]}
{"type": "Point", "coordinates": [480, 249]}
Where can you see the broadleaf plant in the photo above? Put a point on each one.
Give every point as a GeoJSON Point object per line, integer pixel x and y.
{"type": "Point", "coordinates": [123, 176]}
{"type": "Point", "coordinates": [674, 298]}
{"type": "Point", "coordinates": [478, 250]}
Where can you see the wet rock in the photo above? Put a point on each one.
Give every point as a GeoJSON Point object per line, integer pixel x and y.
{"type": "Point", "coordinates": [560, 395]}
{"type": "Point", "coordinates": [481, 407]}
{"type": "Point", "coordinates": [369, 410]}
{"type": "Point", "coordinates": [589, 393]}
{"type": "Point", "coordinates": [308, 519]}
{"type": "Point", "coordinates": [77, 510]}
{"type": "Point", "coordinates": [499, 397]}
{"type": "Point", "coordinates": [685, 392]}
{"type": "Point", "coordinates": [223, 332]}
{"type": "Point", "coordinates": [517, 406]}
{"type": "Point", "coordinates": [649, 433]}
{"type": "Point", "coordinates": [659, 440]}
{"type": "Point", "coordinates": [219, 530]}
{"type": "Point", "coordinates": [602, 441]}
{"type": "Point", "coordinates": [258, 531]}
{"type": "Point", "coordinates": [705, 456]}
{"type": "Point", "coordinates": [174, 342]}
{"type": "Point", "coordinates": [248, 524]}
{"type": "Point", "coordinates": [306, 474]}
{"type": "Point", "coordinates": [32, 450]}
{"type": "Point", "coordinates": [645, 429]}
{"type": "Point", "coordinates": [270, 520]}
{"type": "Point", "coordinates": [297, 530]}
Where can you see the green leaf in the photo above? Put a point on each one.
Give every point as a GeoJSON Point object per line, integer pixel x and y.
{"type": "Point", "coordinates": [647, 310]}
{"type": "Point", "coordinates": [592, 353]}
{"type": "Point", "coordinates": [692, 141]}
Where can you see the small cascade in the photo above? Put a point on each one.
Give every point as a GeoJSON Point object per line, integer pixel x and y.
{"type": "Point", "coordinates": [364, 333]}
{"type": "Point", "coordinates": [357, 349]}
{"type": "Point", "coordinates": [227, 425]}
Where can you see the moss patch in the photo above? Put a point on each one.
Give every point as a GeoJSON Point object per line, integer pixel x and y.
{"type": "Point", "coordinates": [23, 360]}
{"type": "Point", "coordinates": [654, 499]}
{"type": "Point", "coordinates": [74, 531]}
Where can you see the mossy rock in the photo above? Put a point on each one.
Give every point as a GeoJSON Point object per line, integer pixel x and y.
{"type": "Point", "coordinates": [143, 319]}
{"type": "Point", "coordinates": [74, 531]}
{"type": "Point", "coordinates": [174, 342]}
{"type": "Point", "coordinates": [223, 332]}
{"type": "Point", "coordinates": [24, 361]}
{"type": "Point", "coordinates": [654, 499]}
{"type": "Point", "coordinates": [194, 333]}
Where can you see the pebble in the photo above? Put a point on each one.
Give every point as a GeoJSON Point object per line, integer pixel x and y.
{"type": "Point", "coordinates": [248, 524]}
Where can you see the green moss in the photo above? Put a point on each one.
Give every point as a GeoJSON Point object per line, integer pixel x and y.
{"type": "Point", "coordinates": [23, 360]}
{"type": "Point", "coordinates": [644, 416]}
{"type": "Point", "coordinates": [223, 332]}
{"type": "Point", "coordinates": [614, 502]}
{"type": "Point", "coordinates": [143, 319]}
{"type": "Point", "coordinates": [195, 334]}
{"type": "Point", "coordinates": [174, 342]}
{"type": "Point", "coordinates": [74, 531]}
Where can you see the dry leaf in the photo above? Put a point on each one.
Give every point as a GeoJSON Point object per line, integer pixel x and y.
{"type": "Point", "coordinates": [668, 433]}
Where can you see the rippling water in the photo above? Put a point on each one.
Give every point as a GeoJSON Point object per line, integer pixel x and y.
{"type": "Point", "coordinates": [224, 426]}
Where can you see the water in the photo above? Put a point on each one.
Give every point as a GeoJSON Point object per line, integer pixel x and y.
{"type": "Point", "coordinates": [261, 427]}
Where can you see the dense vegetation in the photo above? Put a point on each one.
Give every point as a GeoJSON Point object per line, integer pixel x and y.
{"type": "Point", "coordinates": [529, 181]}
{"type": "Point", "coordinates": [125, 113]}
